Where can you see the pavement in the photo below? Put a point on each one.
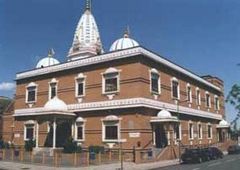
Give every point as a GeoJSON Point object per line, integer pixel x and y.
{"type": "Point", "coordinates": [116, 166]}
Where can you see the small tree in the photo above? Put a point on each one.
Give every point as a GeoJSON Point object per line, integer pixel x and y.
{"type": "Point", "coordinates": [29, 145]}
{"type": "Point", "coordinates": [71, 146]}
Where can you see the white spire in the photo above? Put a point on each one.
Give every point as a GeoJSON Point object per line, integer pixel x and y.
{"type": "Point", "coordinates": [86, 40]}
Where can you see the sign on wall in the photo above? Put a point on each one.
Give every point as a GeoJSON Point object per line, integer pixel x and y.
{"type": "Point", "coordinates": [134, 134]}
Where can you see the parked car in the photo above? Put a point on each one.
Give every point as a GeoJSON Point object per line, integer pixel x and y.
{"type": "Point", "coordinates": [214, 153]}
{"type": "Point", "coordinates": [195, 156]}
{"type": "Point", "coordinates": [234, 149]}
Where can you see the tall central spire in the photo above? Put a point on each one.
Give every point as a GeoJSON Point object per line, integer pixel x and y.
{"type": "Point", "coordinates": [86, 40]}
{"type": "Point", "coordinates": [88, 5]}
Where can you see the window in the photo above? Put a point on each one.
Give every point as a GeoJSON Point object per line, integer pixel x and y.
{"type": "Point", "coordinates": [111, 129]}
{"type": "Point", "coordinates": [199, 131]}
{"type": "Point", "coordinates": [178, 132]}
{"type": "Point", "coordinates": [80, 133]}
{"type": "Point", "coordinates": [80, 85]}
{"type": "Point", "coordinates": [29, 130]}
{"type": "Point", "coordinates": [111, 132]}
{"type": "Point", "coordinates": [189, 93]}
{"type": "Point", "coordinates": [208, 100]}
{"type": "Point", "coordinates": [190, 131]}
{"type": "Point", "coordinates": [216, 103]}
{"type": "Point", "coordinates": [175, 89]}
{"type": "Point", "coordinates": [31, 93]}
{"type": "Point", "coordinates": [155, 81]}
{"type": "Point", "coordinates": [198, 97]}
{"type": "Point", "coordinates": [80, 129]}
{"type": "Point", "coordinates": [111, 81]}
{"type": "Point", "coordinates": [209, 131]}
{"type": "Point", "coordinates": [53, 88]}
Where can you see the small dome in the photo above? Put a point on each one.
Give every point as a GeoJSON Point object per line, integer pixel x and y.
{"type": "Point", "coordinates": [124, 43]}
{"type": "Point", "coordinates": [223, 123]}
{"type": "Point", "coordinates": [47, 61]}
{"type": "Point", "coordinates": [80, 119]}
{"type": "Point", "coordinates": [56, 104]}
{"type": "Point", "coordinates": [164, 114]}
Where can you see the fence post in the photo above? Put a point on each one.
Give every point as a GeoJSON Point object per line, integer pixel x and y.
{"type": "Point", "coordinates": [32, 157]}
{"type": "Point", "coordinates": [22, 155]}
{"type": "Point", "coordinates": [87, 159]}
{"type": "Point", "coordinates": [119, 154]}
{"type": "Point", "coordinates": [99, 158]}
{"type": "Point", "coordinates": [75, 159]}
{"type": "Point", "coordinates": [43, 158]}
{"type": "Point", "coordinates": [12, 155]}
{"type": "Point", "coordinates": [110, 154]}
{"type": "Point", "coordinates": [56, 159]}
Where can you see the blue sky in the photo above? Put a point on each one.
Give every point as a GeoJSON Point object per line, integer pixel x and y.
{"type": "Point", "coordinates": [203, 36]}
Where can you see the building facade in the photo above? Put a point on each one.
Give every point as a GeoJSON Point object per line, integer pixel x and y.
{"type": "Point", "coordinates": [128, 95]}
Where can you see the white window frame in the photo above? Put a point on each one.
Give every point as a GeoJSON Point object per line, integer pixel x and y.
{"type": "Point", "coordinates": [79, 124]}
{"type": "Point", "coordinates": [198, 97]}
{"type": "Point", "coordinates": [207, 93]}
{"type": "Point", "coordinates": [201, 130]}
{"type": "Point", "coordinates": [154, 71]}
{"type": "Point", "coordinates": [80, 79]}
{"type": "Point", "coordinates": [211, 133]}
{"type": "Point", "coordinates": [192, 130]}
{"type": "Point", "coordinates": [105, 123]}
{"type": "Point", "coordinates": [32, 84]}
{"type": "Point", "coordinates": [180, 132]}
{"type": "Point", "coordinates": [174, 79]}
{"type": "Point", "coordinates": [216, 104]}
{"type": "Point", "coordinates": [105, 74]}
{"type": "Point", "coordinates": [53, 81]}
{"type": "Point", "coordinates": [190, 97]}
{"type": "Point", "coordinates": [29, 123]}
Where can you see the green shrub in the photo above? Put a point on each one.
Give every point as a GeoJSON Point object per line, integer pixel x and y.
{"type": "Point", "coordinates": [71, 146]}
{"type": "Point", "coordinates": [4, 145]}
{"type": "Point", "coordinates": [96, 149]}
{"type": "Point", "coordinates": [29, 145]}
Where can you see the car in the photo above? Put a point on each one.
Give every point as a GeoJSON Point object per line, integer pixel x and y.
{"type": "Point", "coordinates": [215, 153]}
{"type": "Point", "coordinates": [195, 156]}
{"type": "Point", "coordinates": [234, 149]}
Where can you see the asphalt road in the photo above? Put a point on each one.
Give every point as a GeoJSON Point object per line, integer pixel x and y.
{"type": "Point", "coordinates": [229, 162]}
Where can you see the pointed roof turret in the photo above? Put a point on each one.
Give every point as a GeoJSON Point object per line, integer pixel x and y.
{"type": "Point", "coordinates": [86, 41]}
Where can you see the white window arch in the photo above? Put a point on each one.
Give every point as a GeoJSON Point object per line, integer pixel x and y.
{"type": "Point", "coordinates": [80, 129]}
{"type": "Point", "coordinates": [189, 93]}
{"type": "Point", "coordinates": [111, 81]}
{"type": "Point", "coordinates": [175, 86]}
{"type": "Point", "coordinates": [80, 85]}
{"type": "Point", "coordinates": [53, 88]}
{"type": "Point", "coordinates": [29, 130]}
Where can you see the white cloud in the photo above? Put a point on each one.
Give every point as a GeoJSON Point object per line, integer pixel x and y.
{"type": "Point", "coordinates": [7, 86]}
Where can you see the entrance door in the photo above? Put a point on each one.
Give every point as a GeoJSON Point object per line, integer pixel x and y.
{"type": "Point", "coordinates": [63, 132]}
{"type": "Point", "coordinates": [160, 135]}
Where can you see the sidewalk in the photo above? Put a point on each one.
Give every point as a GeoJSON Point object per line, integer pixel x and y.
{"type": "Point", "coordinates": [127, 166]}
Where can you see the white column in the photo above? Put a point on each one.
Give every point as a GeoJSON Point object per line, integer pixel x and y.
{"type": "Point", "coordinates": [54, 132]}
{"type": "Point", "coordinates": [37, 133]}
{"type": "Point", "coordinates": [73, 129]}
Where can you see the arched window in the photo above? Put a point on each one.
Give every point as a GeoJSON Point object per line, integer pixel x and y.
{"type": "Point", "coordinates": [111, 81]}
{"type": "Point", "coordinates": [155, 82]}
{"type": "Point", "coordinates": [31, 93]}
{"type": "Point", "coordinates": [175, 88]}
{"type": "Point", "coordinates": [111, 129]}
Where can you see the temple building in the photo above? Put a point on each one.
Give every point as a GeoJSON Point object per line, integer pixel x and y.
{"type": "Point", "coordinates": [127, 95]}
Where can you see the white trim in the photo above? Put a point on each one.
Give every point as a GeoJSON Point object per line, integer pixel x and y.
{"type": "Point", "coordinates": [109, 57]}
{"type": "Point", "coordinates": [206, 100]}
{"type": "Point", "coordinates": [211, 133]}
{"type": "Point", "coordinates": [174, 79]}
{"type": "Point", "coordinates": [201, 130]}
{"type": "Point", "coordinates": [76, 125]}
{"type": "Point", "coordinates": [80, 79]}
{"type": "Point", "coordinates": [216, 104]}
{"type": "Point", "coordinates": [25, 131]}
{"type": "Point", "coordinates": [198, 97]}
{"type": "Point", "coordinates": [190, 97]}
{"type": "Point", "coordinates": [190, 130]}
{"type": "Point", "coordinates": [32, 84]}
{"type": "Point", "coordinates": [53, 81]}
{"type": "Point", "coordinates": [127, 103]}
{"type": "Point", "coordinates": [154, 71]}
{"type": "Point", "coordinates": [111, 123]}
{"type": "Point", "coordinates": [105, 76]}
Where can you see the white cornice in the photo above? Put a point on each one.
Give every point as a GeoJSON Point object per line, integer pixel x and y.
{"type": "Point", "coordinates": [128, 103]}
{"type": "Point", "coordinates": [112, 56]}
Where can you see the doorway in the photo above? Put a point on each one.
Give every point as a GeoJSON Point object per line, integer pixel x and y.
{"type": "Point", "coordinates": [160, 136]}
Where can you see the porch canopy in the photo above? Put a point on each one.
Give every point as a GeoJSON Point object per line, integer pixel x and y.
{"type": "Point", "coordinates": [164, 116]}
{"type": "Point", "coordinates": [54, 109]}
{"type": "Point", "coordinates": [223, 124]}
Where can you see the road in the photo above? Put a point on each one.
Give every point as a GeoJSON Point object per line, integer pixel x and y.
{"type": "Point", "coordinates": [229, 162]}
